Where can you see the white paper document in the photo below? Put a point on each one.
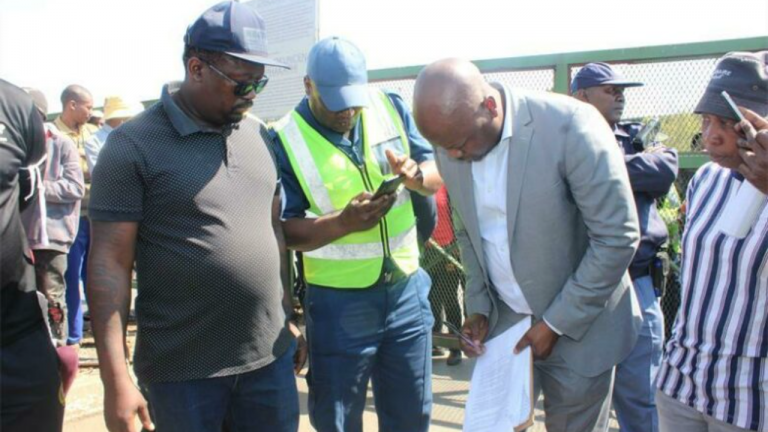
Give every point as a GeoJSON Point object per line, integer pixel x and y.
{"type": "Point", "coordinates": [501, 389]}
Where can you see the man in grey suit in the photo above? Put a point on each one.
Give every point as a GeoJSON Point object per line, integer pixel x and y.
{"type": "Point", "coordinates": [547, 227]}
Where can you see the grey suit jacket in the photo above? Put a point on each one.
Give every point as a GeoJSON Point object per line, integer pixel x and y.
{"type": "Point", "coordinates": [572, 229]}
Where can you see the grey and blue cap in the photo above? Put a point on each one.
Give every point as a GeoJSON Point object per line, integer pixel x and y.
{"type": "Point", "coordinates": [338, 70]}
{"type": "Point", "coordinates": [232, 28]}
{"type": "Point", "coordinates": [596, 74]}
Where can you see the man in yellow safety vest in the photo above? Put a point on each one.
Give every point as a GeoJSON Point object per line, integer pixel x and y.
{"type": "Point", "coordinates": [367, 311]}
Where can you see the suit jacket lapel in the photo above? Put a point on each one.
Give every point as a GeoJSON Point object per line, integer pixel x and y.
{"type": "Point", "coordinates": [522, 132]}
{"type": "Point", "coordinates": [458, 178]}
{"type": "Point", "coordinates": [469, 216]}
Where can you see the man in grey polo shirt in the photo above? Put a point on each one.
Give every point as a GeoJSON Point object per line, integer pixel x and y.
{"type": "Point", "coordinates": [189, 189]}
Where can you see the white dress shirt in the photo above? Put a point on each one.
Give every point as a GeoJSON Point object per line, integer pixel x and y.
{"type": "Point", "coordinates": [489, 177]}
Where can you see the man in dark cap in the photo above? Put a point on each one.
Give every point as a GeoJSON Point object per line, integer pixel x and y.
{"type": "Point", "coordinates": [713, 376]}
{"type": "Point", "coordinates": [652, 170]}
{"type": "Point", "coordinates": [31, 397]}
{"type": "Point", "coordinates": [190, 191]}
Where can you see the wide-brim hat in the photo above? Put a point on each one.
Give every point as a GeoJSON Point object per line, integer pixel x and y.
{"type": "Point", "coordinates": [745, 77]}
{"type": "Point", "coordinates": [116, 107]}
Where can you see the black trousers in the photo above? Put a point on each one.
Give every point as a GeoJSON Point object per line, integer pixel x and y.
{"type": "Point", "coordinates": [31, 395]}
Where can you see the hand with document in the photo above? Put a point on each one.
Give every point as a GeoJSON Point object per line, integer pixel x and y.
{"type": "Point", "coordinates": [501, 389]}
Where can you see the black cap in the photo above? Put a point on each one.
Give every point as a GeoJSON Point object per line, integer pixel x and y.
{"type": "Point", "coordinates": [745, 77]}
{"type": "Point", "coordinates": [232, 28]}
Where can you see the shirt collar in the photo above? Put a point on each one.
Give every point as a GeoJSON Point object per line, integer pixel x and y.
{"type": "Point", "coordinates": [106, 129]}
{"type": "Point", "coordinates": [506, 130]}
{"type": "Point", "coordinates": [63, 128]}
{"type": "Point", "coordinates": [620, 132]}
{"type": "Point", "coordinates": [179, 119]}
{"type": "Point", "coordinates": [334, 137]}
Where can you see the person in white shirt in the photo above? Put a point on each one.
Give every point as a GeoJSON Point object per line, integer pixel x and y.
{"type": "Point", "coordinates": [547, 227]}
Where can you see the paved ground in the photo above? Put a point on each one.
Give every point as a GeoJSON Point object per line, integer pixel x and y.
{"type": "Point", "coordinates": [450, 385]}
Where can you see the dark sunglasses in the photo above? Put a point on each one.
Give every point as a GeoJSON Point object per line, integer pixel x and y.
{"type": "Point", "coordinates": [241, 89]}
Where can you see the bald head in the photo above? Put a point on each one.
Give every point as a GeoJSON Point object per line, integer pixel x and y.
{"type": "Point", "coordinates": [448, 88]}
{"type": "Point", "coordinates": [75, 93]}
{"type": "Point", "coordinates": [76, 105]}
{"type": "Point", "coordinates": [456, 109]}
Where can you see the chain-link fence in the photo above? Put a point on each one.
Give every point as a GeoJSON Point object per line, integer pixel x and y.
{"type": "Point", "coordinates": [673, 86]}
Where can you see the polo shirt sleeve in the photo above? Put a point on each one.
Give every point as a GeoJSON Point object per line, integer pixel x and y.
{"type": "Point", "coordinates": [117, 184]}
{"type": "Point", "coordinates": [295, 203]}
{"type": "Point", "coordinates": [268, 136]}
{"type": "Point", "coordinates": [421, 150]}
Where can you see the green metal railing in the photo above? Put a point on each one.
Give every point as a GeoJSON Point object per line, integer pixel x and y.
{"type": "Point", "coordinates": [675, 78]}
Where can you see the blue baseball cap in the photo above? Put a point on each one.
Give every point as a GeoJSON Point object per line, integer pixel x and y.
{"type": "Point", "coordinates": [235, 29]}
{"type": "Point", "coordinates": [337, 68]}
{"type": "Point", "coordinates": [595, 74]}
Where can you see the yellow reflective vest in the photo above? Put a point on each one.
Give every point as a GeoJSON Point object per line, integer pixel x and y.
{"type": "Point", "coordinates": [330, 179]}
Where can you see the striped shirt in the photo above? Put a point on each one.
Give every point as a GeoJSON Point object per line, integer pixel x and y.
{"type": "Point", "coordinates": [715, 360]}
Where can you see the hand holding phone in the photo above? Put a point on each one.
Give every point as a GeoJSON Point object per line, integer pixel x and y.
{"type": "Point", "coordinates": [389, 186]}
{"type": "Point", "coordinates": [750, 133]}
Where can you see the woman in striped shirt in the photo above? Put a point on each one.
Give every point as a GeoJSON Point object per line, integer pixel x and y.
{"type": "Point", "coordinates": [714, 376]}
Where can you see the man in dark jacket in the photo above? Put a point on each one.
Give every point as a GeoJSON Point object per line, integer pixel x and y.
{"type": "Point", "coordinates": [30, 388]}
{"type": "Point", "coordinates": [652, 169]}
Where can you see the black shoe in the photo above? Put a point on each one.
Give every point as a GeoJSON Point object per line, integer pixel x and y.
{"type": "Point", "coordinates": [454, 358]}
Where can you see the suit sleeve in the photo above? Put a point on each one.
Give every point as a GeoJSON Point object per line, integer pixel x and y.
{"type": "Point", "coordinates": [598, 181]}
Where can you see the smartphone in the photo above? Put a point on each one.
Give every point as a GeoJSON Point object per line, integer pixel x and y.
{"type": "Point", "coordinates": [389, 186]}
{"type": "Point", "coordinates": [732, 105]}
{"type": "Point", "coordinates": [735, 110]}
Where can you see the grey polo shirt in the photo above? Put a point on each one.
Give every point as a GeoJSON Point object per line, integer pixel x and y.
{"type": "Point", "coordinates": [209, 290]}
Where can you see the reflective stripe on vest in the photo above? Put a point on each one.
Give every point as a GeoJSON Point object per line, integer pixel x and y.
{"type": "Point", "coordinates": [363, 250]}
{"type": "Point", "coordinates": [308, 168]}
{"type": "Point", "coordinates": [330, 179]}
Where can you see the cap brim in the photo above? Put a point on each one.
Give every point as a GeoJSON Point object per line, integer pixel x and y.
{"type": "Point", "coordinates": [259, 60]}
{"type": "Point", "coordinates": [714, 103]}
{"type": "Point", "coordinates": [345, 97]}
{"type": "Point", "coordinates": [623, 83]}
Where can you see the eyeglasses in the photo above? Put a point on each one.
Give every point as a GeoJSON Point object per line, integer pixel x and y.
{"type": "Point", "coordinates": [242, 89]}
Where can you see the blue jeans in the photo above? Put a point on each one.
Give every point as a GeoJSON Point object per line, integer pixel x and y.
{"type": "Point", "coordinates": [77, 261]}
{"type": "Point", "coordinates": [634, 389]}
{"type": "Point", "coordinates": [262, 400]}
{"type": "Point", "coordinates": [383, 334]}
